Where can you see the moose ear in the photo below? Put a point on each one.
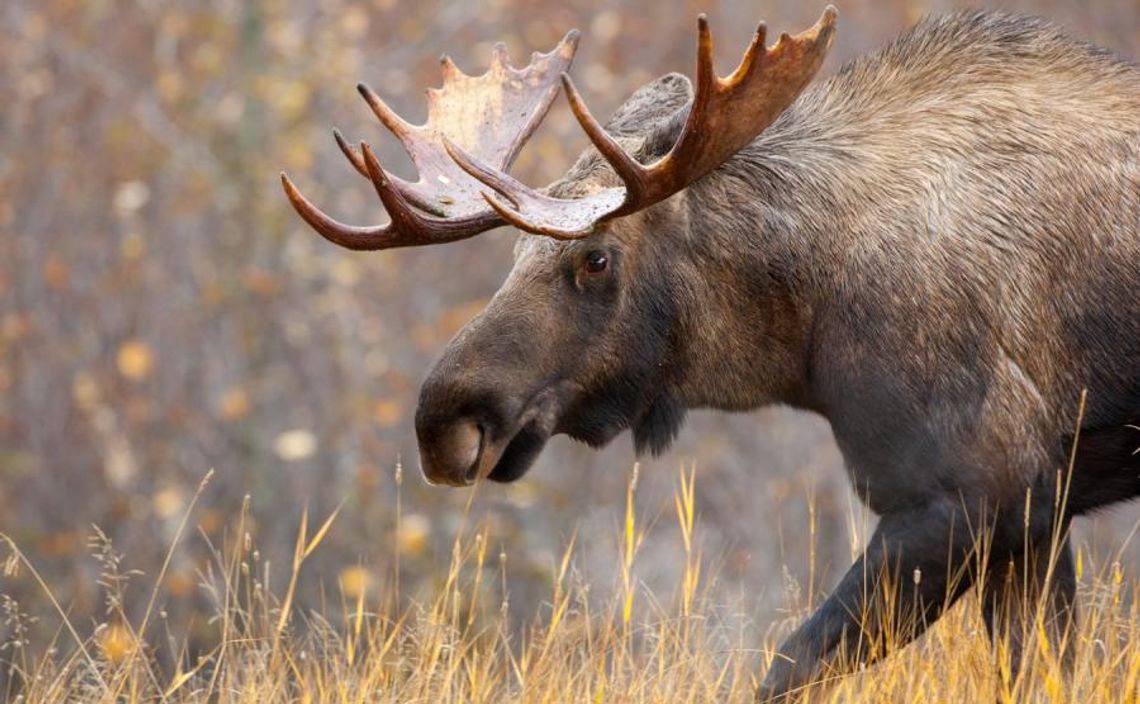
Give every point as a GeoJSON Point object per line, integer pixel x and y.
{"type": "Point", "coordinates": [651, 107]}
{"type": "Point", "coordinates": [647, 124]}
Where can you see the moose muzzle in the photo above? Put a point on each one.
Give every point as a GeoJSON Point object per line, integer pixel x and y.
{"type": "Point", "coordinates": [469, 431]}
{"type": "Point", "coordinates": [451, 453]}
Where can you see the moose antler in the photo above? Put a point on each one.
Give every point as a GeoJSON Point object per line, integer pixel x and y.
{"type": "Point", "coordinates": [490, 117]}
{"type": "Point", "coordinates": [724, 116]}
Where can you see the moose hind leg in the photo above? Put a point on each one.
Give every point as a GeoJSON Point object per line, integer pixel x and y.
{"type": "Point", "coordinates": [1021, 588]}
{"type": "Point", "coordinates": [911, 570]}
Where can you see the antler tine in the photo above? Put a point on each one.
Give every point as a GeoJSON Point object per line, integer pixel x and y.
{"type": "Point", "coordinates": [396, 124]}
{"type": "Point", "coordinates": [404, 217]}
{"type": "Point", "coordinates": [448, 68]}
{"type": "Point", "coordinates": [751, 54]}
{"type": "Point", "coordinates": [499, 57]}
{"type": "Point", "coordinates": [350, 153]}
{"type": "Point", "coordinates": [631, 173]}
{"type": "Point", "coordinates": [350, 236]}
{"type": "Point", "coordinates": [706, 71]}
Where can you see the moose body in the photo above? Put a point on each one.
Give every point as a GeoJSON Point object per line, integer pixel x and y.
{"type": "Point", "coordinates": [937, 249]}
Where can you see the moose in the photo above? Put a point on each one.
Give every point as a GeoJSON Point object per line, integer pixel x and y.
{"type": "Point", "coordinates": [937, 249]}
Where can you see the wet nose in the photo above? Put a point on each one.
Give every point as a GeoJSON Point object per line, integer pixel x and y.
{"type": "Point", "coordinates": [448, 454]}
{"type": "Point", "coordinates": [465, 403]}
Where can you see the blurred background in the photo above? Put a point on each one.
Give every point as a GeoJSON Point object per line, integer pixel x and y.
{"type": "Point", "coordinates": [163, 311]}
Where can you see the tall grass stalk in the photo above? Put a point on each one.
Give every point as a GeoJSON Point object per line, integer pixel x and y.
{"type": "Point", "coordinates": [590, 643]}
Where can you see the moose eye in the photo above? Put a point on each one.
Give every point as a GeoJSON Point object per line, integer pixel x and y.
{"type": "Point", "coordinates": [596, 262]}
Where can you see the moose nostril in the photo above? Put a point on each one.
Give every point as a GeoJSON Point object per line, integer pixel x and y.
{"type": "Point", "coordinates": [452, 456]}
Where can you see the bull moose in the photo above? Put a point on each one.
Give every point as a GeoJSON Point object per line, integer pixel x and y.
{"type": "Point", "coordinates": [937, 249]}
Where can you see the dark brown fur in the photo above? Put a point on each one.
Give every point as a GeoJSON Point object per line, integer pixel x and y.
{"type": "Point", "coordinates": [937, 249]}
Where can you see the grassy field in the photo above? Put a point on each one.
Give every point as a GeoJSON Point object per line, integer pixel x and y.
{"type": "Point", "coordinates": [163, 310]}
{"type": "Point", "coordinates": [589, 643]}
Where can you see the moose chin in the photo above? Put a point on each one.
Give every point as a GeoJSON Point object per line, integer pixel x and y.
{"type": "Point", "coordinates": [937, 249]}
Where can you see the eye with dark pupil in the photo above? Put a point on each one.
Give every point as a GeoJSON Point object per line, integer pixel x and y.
{"type": "Point", "coordinates": [596, 262]}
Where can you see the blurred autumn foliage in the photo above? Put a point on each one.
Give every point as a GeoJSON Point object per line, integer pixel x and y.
{"type": "Point", "coordinates": [164, 312]}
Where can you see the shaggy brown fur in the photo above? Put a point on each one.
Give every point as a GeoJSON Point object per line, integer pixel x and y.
{"type": "Point", "coordinates": [938, 249]}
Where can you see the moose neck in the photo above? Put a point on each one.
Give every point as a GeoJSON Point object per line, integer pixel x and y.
{"type": "Point", "coordinates": [760, 223]}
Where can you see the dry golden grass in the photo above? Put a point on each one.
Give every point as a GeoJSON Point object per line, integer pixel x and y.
{"type": "Point", "coordinates": [627, 645]}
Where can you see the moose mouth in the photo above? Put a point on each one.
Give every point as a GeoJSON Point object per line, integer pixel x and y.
{"type": "Point", "coordinates": [509, 456]}
{"type": "Point", "coordinates": [515, 459]}
{"type": "Point", "coordinates": [460, 449]}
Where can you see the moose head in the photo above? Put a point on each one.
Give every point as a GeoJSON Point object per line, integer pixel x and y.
{"type": "Point", "coordinates": [619, 309]}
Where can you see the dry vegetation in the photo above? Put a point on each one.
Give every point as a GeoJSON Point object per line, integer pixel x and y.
{"type": "Point", "coordinates": [458, 644]}
{"type": "Point", "coordinates": [162, 311]}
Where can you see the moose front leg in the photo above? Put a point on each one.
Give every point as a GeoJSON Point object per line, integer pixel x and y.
{"type": "Point", "coordinates": [1036, 581]}
{"type": "Point", "coordinates": [910, 571]}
